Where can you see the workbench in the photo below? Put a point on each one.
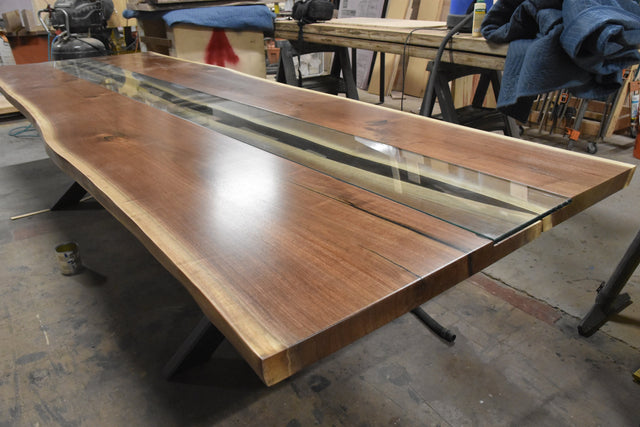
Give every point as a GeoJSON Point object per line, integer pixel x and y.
{"type": "Point", "coordinates": [465, 55]}
{"type": "Point", "coordinates": [298, 221]}
{"type": "Point", "coordinates": [398, 36]}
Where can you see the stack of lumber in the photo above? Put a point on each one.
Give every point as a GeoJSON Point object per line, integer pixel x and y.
{"type": "Point", "coordinates": [25, 20]}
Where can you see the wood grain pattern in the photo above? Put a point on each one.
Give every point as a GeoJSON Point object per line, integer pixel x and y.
{"type": "Point", "coordinates": [487, 205]}
{"type": "Point", "coordinates": [289, 263]}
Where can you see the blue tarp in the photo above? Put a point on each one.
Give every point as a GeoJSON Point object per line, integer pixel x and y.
{"type": "Point", "coordinates": [579, 45]}
{"type": "Point", "coordinates": [245, 17]}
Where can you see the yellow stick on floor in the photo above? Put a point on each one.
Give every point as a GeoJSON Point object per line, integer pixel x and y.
{"type": "Point", "coordinates": [29, 214]}
{"type": "Point", "coordinates": [636, 376]}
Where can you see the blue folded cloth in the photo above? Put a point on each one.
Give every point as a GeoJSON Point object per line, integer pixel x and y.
{"type": "Point", "coordinates": [579, 45]}
{"type": "Point", "coordinates": [245, 17]}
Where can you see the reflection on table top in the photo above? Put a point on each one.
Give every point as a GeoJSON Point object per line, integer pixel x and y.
{"type": "Point", "coordinates": [487, 205]}
{"type": "Point", "coordinates": [298, 221]}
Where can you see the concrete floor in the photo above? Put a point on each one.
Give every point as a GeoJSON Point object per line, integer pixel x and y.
{"type": "Point", "coordinates": [89, 349]}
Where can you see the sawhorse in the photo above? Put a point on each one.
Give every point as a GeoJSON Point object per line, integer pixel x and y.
{"type": "Point", "coordinates": [474, 115]}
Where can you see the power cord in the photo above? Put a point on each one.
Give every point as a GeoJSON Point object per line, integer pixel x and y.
{"type": "Point", "coordinates": [27, 131]}
{"type": "Point", "coordinates": [436, 62]}
{"type": "Point", "coordinates": [404, 57]}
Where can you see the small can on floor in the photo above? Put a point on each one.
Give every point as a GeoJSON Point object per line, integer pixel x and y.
{"type": "Point", "coordinates": [68, 255]}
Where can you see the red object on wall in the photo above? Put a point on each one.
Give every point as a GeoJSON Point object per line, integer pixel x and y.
{"type": "Point", "coordinates": [219, 50]}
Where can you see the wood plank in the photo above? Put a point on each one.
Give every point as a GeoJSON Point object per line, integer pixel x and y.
{"type": "Point", "coordinates": [462, 90]}
{"type": "Point", "coordinates": [381, 32]}
{"type": "Point", "coordinates": [619, 101]}
{"type": "Point", "coordinates": [458, 57]}
{"type": "Point", "coordinates": [30, 21]}
{"type": "Point", "coordinates": [12, 21]}
{"type": "Point", "coordinates": [289, 263]}
{"type": "Point", "coordinates": [389, 21]}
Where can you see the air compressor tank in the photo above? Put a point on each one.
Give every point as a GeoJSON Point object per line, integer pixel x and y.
{"type": "Point", "coordinates": [77, 47]}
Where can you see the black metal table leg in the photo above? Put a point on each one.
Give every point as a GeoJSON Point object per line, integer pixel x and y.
{"type": "Point", "coordinates": [198, 348]}
{"type": "Point", "coordinates": [609, 300]}
{"type": "Point", "coordinates": [70, 198]}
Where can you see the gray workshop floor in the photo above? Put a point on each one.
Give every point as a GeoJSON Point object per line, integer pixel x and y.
{"type": "Point", "coordinates": [88, 349]}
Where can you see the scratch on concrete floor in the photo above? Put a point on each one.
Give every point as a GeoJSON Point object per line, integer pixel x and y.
{"type": "Point", "coordinates": [46, 337]}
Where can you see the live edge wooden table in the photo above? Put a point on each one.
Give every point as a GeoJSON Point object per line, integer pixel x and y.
{"type": "Point", "coordinates": [298, 221]}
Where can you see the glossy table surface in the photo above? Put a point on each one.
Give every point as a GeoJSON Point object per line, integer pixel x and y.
{"type": "Point", "coordinates": [298, 221]}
